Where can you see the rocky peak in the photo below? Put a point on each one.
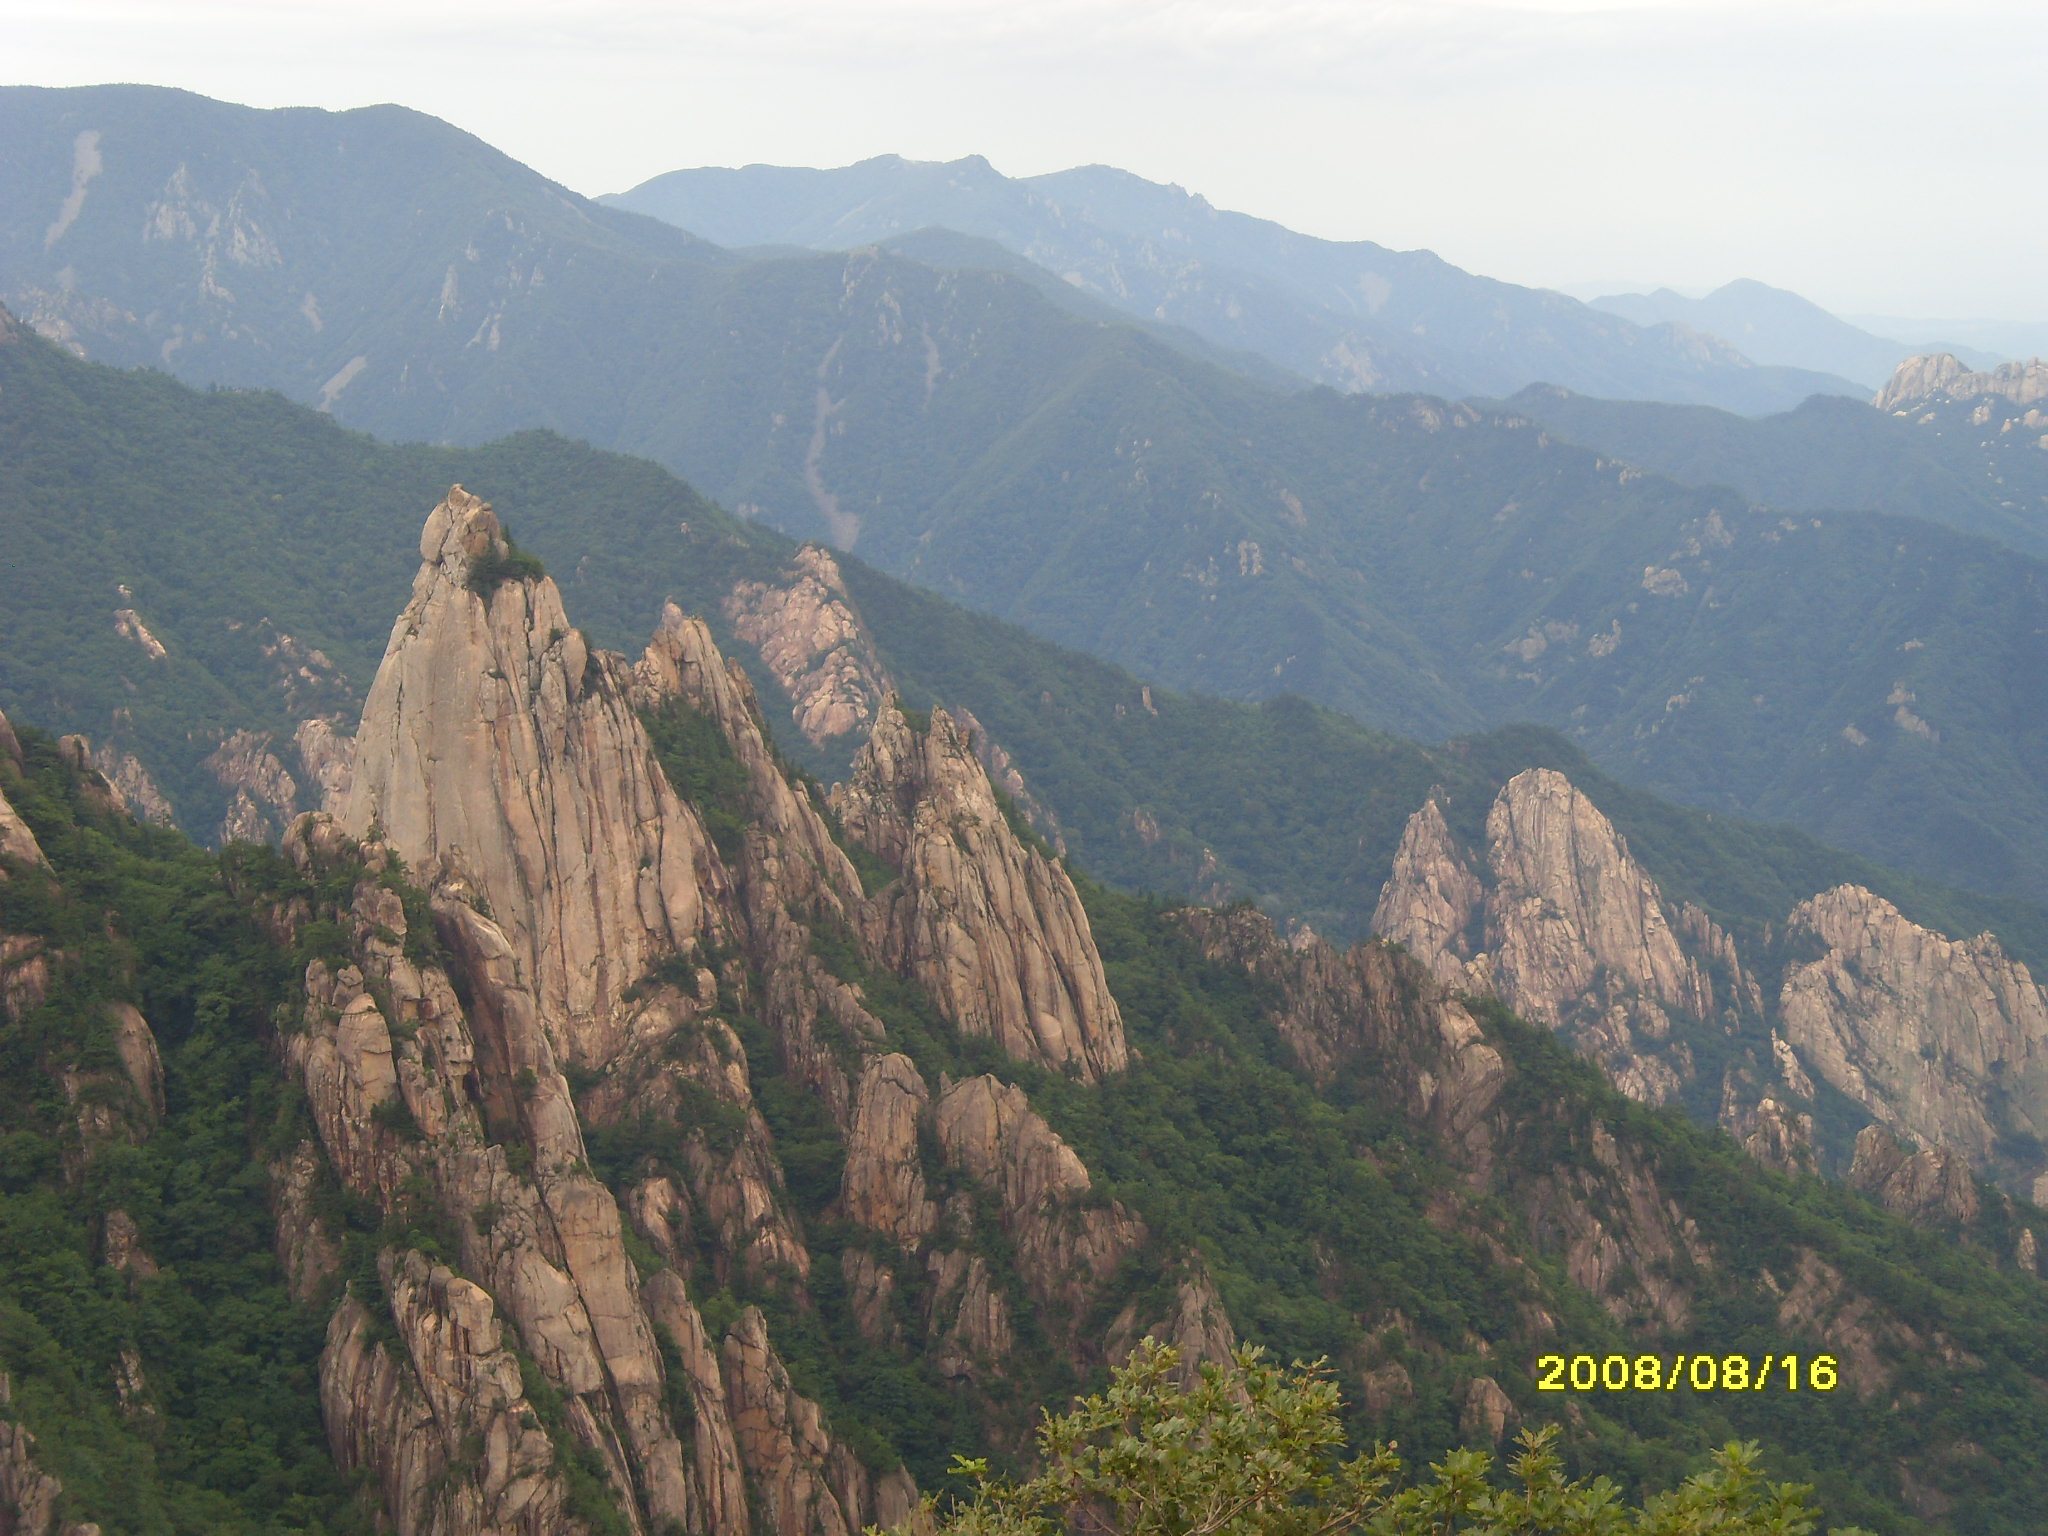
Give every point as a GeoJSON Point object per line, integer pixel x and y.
{"type": "Point", "coordinates": [495, 741]}
{"type": "Point", "coordinates": [1944, 1041]}
{"type": "Point", "coordinates": [1564, 925]}
{"type": "Point", "coordinates": [991, 927]}
{"type": "Point", "coordinates": [1932, 1186]}
{"type": "Point", "coordinates": [811, 638]}
{"type": "Point", "coordinates": [1431, 899]}
{"type": "Point", "coordinates": [1364, 1007]}
{"type": "Point", "coordinates": [1939, 375]}
{"type": "Point", "coordinates": [1570, 902]}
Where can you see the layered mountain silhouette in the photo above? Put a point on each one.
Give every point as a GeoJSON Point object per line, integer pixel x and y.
{"type": "Point", "coordinates": [1349, 314]}
{"type": "Point", "coordinates": [1429, 568]}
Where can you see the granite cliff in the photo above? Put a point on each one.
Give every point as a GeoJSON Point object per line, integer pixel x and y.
{"type": "Point", "coordinates": [578, 955]}
{"type": "Point", "coordinates": [1941, 1041]}
{"type": "Point", "coordinates": [1943, 376]}
{"type": "Point", "coordinates": [1559, 919]}
{"type": "Point", "coordinates": [672, 1145]}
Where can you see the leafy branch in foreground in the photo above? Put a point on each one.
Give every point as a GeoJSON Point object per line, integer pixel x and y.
{"type": "Point", "coordinates": [1254, 1449]}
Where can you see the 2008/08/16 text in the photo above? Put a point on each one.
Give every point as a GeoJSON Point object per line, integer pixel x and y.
{"type": "Point", "coordinates": [1696, 1373]}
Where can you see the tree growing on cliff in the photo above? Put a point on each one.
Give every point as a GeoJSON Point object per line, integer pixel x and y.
{"type": "Point", "coordinates": [1254, 1449]}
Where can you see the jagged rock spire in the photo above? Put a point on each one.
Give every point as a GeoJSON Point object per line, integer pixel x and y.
{"type": "Point", "coordinates": [496, 741]}
{"type": "Point", "coordinates": [993, 929]}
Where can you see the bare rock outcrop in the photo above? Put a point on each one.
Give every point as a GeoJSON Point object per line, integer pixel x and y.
{"type": "Point", "coordinates": [808, 1482]}
{"type": "Point", "coordinates": [1939, 375]}
{"type": "Point", "coordinates": [1566, 927]}
{"type": "Point", "coordinates": [1943, 1041]}
{"type": "Point", "coordinates": [495, 736]}
{"type": "Point", "coordinates": [419, 1095]}
{"type": "Point", "coordinates": [718, 1475]}
{"type": "Point", "coordinates": [789, 851]}
{"type": "Point", "coordinates": [265, 797]}
{"type": "Point", "coordinates": [812, 640]}
{"type": "Point", "coordinates": [992, 928]}
{"type": "Point", "coordinates": [1776, 1133]}
{"type": "Point", "coordinates": [327, 756]}
{"type": "Point", "coordinates": [1432, 899]}
{"type": "Point", "coordinates": [443, 1420]}
{"type": "Point", "coordinates": [1003, 772]}
{"type": "Point", "coordinates": [1623, 1239]}
{"type": "Point", "coordinates": [883, 1187]}
{"type": "Point", "coordinates": [28, 1494]}
{"type": "Point", "coordinates": [1570, 904]}
{"type": "Point", "coordinates": [1067, 1245]}
{"type": "Point", "coordinates": [1816, 1299]}
{"type": "Point", "coordinates": [1486, 1412]}
{"type": "Point", "coordinates": [1930, 1187]}
{"type": "Point", "coordinates": [17, 842]}
{"type": "Point", "coordinates": [132, 786]}
{"type": "Point", "coordinates": [1362, 1008]}
{"type": "Point", "coordinates": [1196, 1326]}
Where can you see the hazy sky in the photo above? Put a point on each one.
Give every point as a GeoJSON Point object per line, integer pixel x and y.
{"type": "Point", "coordinates": [1883, 155]}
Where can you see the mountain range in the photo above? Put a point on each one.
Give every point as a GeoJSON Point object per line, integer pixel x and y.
{"type": "Point", "coordinates": [696, 1148]}
{"type": "Point", "coordinates": [1349, 314]}
{"type": "Point", "coordinates": [1429, 568]}
{"type": "Point", "coordinates": [1774, 326]}
{"type": "Point", "coordinates": [487, 1070]}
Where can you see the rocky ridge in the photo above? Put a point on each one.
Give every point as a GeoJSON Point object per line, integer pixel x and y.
{"type": "Point", "coordinates": [1940, 1041]}
{"type": "Point", "coordinates": [991, 927]}
{"type": "Point", "coordinates": [1941, 375]}
{"type": "Point", "coordinates": [567, 1262]}
{"type": "Point", "coordinates": [1920, 1029]}
{"type": "Point", "coordinates": [580, 922]}
{"type": "Point", "coordinates": [810, 637]}
{"type": "Point", "coordinates": [1564, 925]}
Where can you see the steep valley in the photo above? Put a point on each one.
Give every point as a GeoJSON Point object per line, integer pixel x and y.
{"type": "Point", "coordinates": [607, 1129]}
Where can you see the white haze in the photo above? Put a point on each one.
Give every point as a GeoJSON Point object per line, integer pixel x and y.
{"type": "Point", "coordinates": [1877, 157]}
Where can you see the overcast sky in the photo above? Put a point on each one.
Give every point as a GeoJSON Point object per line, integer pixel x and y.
{"type": "Point", "coordinates": [1883, 156]}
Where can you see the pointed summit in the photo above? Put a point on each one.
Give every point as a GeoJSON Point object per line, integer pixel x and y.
{"type": "Point", "coordinates": [496, 742]}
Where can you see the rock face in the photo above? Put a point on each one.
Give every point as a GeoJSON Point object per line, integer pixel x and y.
{"type": "Point", "coordinates": [414, 1418]}
{"type": "Point", "coordinates": [494, 738]}
{"type": "Point", "coordinates": [1942, 1041]}
{"type": "Point", "coordinates": [132, 786]}
{"type": "Point", "coordinates": [1932, 1187]}
{"type": "Point", "coordinates": [328, 758]}
{"type": "Point", "coordinates": [1567, 928]}
{"type": "Point", "coordinates": [28, 1494]}
{"type": "Point", "coordinates": [1939, 375]}
{"type": "Point", "coordinates": [1065, 1248]}
{"type": "Point", "coordinates": [884, 1186]}
{"type": "Point", "coordinates": [431, 1102]}
{"type": "Point", "coordinates": [993, 929]}
{"type": "Point", "coordinates": [812, 640]}
{"type": "Point", "coordinates": [1344, 1007]}
{"type": "Point", "coordinates": [1432, 899]}
{"type": "Point", "coordinates": [594, 925]}
{"type": "Point", "coordinates": [1570, 903]}
{"type": "Point", "coordinates": [17, 842]}
{"type": "Point", "coordinates": [265, 795]}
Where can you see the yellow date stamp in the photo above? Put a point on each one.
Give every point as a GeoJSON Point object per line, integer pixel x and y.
{"type": "Point", "coordinates": [1692, 1373]}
